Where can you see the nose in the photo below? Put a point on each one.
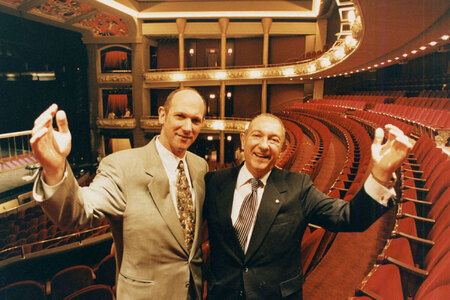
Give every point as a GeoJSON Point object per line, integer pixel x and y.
{"type": "Point", "coordinates": [187, 125]}
{"type": "Point", "coordinates": [264, 143]}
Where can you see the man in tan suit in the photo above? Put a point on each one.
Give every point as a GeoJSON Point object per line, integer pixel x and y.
{"type": "Point", "coordinates": [138, 191]}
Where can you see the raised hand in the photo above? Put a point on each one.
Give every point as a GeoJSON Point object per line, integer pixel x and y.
{"type": "Point", "coordinates": [51, 147]}
{"type": "Point", "coordinates": [388, 157]}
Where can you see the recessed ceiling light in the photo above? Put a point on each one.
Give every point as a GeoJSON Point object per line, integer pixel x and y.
{"type": "Point", "coordinates": [340, 74]}
{"type": "Point", "coordinates": [397, 58]}
{"type": "Point", "coordinates": [310, 78]}
{"type": "Point", "coordinates": [334, 75]}
{"type": "Point", "coordinates": [345, 73]}
{"type": "Point", "coordinates": [423, 48]}
{"type": "Point", "coordinates": [389, 60]}
{"type": "Point", "coordinates": [357, 71]}
{"type": "Point", "coordinates": [351, 72]}
{"type": "Point", "coordinates": [445, 37]}
{"type": "Point", "coordinates": [405, 55]}
{"type": "Point", "coordinates": [328, 76]}
{"type": "Point", "coordinates": [414, 51]}
{"type": "Point", "coordinates": [432, 43]}
{"type": "Point", "coordinates": [363, 69]}
{"type": "Point", "coordinates": [375, 65]}
{"type": "Point", "coordinates": [382, 63]}
{"type": "Point", "coordinates": [368, 68]}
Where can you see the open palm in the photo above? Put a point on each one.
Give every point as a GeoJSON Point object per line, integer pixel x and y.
{"type": "Point", "coordinates": [51, 147]}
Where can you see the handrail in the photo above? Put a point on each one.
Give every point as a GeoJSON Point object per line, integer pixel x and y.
{"type": "Point", "coordinates": [59, 238]}
{"type": "Point", "coordinates": [15, 134]}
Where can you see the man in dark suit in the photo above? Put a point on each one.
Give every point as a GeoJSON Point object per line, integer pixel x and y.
{"type": "Point", "coordinates": [257, 214]}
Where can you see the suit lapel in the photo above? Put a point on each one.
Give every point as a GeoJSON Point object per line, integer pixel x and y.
{"type": "Point", "coordinates": [160, 193]}
{"type": "Point", "coordinates": [224, 203]}
{"type": "Point", "coordinates": [199, 190]}
{"type": "Point", "coordinates": [267, 211]}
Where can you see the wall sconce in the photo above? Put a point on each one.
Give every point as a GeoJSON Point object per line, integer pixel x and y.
{"type": "Point", "coordinates": [229, 138]}
{"type": "Point", "coordinates": [212, 96]}
{"type": "Point", "coordinates": [191, 52]}
{"type": "Point", "coordinates": [209, 138]}
{"type": "Point", "coordinates": [230, 51]}
{"type": "Point", "coordinates": [229, 95]}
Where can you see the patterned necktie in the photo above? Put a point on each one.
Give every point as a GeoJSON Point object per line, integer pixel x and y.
{"type": "Point", "coordinates": [186, 213]}
{"type": "Point", "coordinates": [246, 214]}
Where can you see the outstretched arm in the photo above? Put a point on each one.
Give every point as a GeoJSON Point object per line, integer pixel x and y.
{"type": "Point", "coordinates": [388, 157]}
{"type": "Point", "coordinates": [51, 147]}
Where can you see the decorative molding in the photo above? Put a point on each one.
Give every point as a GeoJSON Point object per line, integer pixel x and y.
{"type": "Point", "coordinates": [116, 123]}
{"type": "Point", "coordinates": [115, 78]}
{"type": "Point", "coordinates": [230, 125]}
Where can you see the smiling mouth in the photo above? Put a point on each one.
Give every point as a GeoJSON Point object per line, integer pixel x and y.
{"type": "Point", "coordinates": [184, 137]}
{"type": "Point", "coordinates": [262, 156]}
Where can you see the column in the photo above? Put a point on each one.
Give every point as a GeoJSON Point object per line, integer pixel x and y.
{"type": "Point", "coordinates": [223, 23]}
{"type": "Point", "coordinates": [140, 95]}
{"type": "Point", "coordinates": [181, 25]}
{"type": "Point", "coordinates": [320, 41]}
{"type": "Point", "coordinates": [266, 24]}
{"type": "Point", "coordinates": [95, 104]}
{"type": "Point", "coordinates": [264, 96]}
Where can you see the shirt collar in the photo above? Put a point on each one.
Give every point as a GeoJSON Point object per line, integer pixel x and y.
{"type": "Point", "coordinates": [168, 159]}
{"type": "Point", "coordinates": [244, 176]}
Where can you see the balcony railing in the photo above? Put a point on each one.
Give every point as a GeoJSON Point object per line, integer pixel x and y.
{"type": "Point", "coordinates": [230, 125]}
{"type": "Point", "coordinates": [129, 123]}
{"type": "Point", "coordinates": [15, 150]}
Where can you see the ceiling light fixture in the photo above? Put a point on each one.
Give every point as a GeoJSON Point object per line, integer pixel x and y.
{"type": "Point", "coordinates": [432, 43]}
{"type": "Point", "coordinates": [445, 37]}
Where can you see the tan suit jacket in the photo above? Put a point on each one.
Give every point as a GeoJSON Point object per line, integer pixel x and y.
{"type": "Point", "coordinates": [131, 189]}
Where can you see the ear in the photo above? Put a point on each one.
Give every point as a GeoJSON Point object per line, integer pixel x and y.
{"type": "Point", "coordinates": [242, 140]}
{"type": "Point", "coordinates": [161, 115]}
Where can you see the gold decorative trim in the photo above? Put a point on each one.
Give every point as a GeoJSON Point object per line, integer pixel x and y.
{"type": "Point", "coordinates": [230, 125]}
{"type": "Point", "coordinates": [115, 78]}
{"type": "Point", "coordinates": [116, 123]}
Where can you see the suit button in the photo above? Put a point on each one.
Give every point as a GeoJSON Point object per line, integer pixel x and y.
{"type": "Point", "coordinates": [245, 269]}
{"type": "Point", "coordinates": [241, 293]}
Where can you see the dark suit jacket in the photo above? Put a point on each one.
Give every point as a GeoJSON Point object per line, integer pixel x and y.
{"type": "Point", "coordinates": [271, 268]}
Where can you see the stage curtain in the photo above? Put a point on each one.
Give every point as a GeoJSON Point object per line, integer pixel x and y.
{"type": "Point", "coordinates": [117, 104]}
{"type": "Point", "coordinates": [115, 59]}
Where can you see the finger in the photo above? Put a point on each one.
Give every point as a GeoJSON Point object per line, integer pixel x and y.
{"type": "Point", "coordinates": [402, 143]}
{"type": "Point", "coordinates": [49, 112]}
{"type": "Point", "coordinates": [379, 135]}
{"type": "Point", "coordinates": [38, 135]}
{"type": "Point", "coordinates": [61, 121]}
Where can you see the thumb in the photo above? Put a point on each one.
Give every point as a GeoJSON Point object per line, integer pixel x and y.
{"type": "Point", "coordinates": [61, 121]}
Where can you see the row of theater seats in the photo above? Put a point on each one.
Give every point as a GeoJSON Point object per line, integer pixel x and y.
{"type": "Point", "coordinates": [416, 258]}
{"type": "Point", "coordinates": [27, 229]}
{"type": "Point", "coordinates": [294, 138]}
{"type": "Point", "coordinates": [435, 165]}
{"type": "Point", "coordinates": [316, 240]}
{"type": "Point", "coordinates": [80, 282]}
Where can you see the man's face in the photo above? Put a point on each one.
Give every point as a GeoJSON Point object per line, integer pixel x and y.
{"type": "Point", "coordinates": [263, 142]}
{"type": "Point", "coordinates": [182, 122]}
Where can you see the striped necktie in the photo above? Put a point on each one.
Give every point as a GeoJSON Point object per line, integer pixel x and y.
{"type": "Point", "coordinates": [247, 214]}
{"type": "Point", "coordinates": [185, 207]}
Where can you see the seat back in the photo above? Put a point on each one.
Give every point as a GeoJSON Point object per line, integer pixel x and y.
{"type": "Point", "coordinates": [105, 271]}
{"type": "Point", "coordinates": [93, 292]}
{"type": "Point", "coordinates": [71, 280]}
{"type": "Point", "coordinates": [23, 290]}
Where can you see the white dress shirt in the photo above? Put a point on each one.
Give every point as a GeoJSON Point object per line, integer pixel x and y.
{"type": "Point", "coordinates": [243, 187]}
{"type": "Point", "coordinates": [170, 162]}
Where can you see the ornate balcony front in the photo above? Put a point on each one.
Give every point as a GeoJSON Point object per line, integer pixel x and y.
{"type": "Point", "coordinates": [228, 125]}
{"type": "Point", "coordinates": [129, 123]}
{"type": "Point", "coordinates": [114, 78]}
